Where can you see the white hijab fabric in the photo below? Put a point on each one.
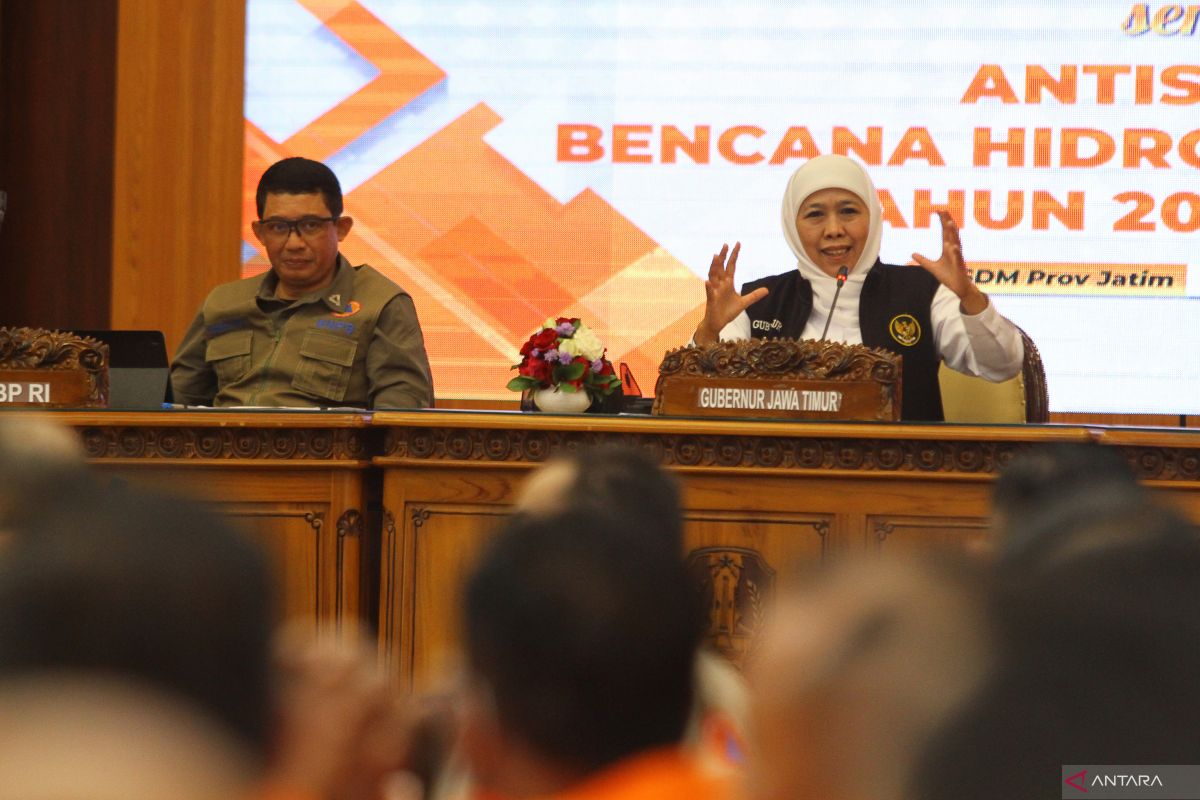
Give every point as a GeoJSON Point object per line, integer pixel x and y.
{"type": "Point", "coordinates": [833, 172]}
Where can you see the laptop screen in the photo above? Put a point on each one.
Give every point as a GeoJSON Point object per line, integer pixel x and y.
{"type": "Point", "coordinates": [137, 367]}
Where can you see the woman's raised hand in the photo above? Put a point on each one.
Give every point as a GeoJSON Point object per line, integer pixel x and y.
{"type": "Point", "coordinates": [951, 270]}
{"type": "Point", "coordinates": [722, 301]}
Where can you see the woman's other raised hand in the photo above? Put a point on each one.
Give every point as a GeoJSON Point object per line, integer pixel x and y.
{"type": "Point", "coordinates": [951, 270]}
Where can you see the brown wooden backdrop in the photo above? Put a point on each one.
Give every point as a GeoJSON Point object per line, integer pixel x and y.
{"type": "Point", "coordinates": [121, 151]}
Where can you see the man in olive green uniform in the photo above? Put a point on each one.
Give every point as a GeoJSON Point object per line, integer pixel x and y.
{"type": "Point", "coordinates": [314, 331]}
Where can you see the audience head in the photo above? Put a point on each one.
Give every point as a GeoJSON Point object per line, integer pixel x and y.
{"type": "Point", "coordinates": [859, 667]}
{"type": "Point", "coordinates": [1056, 500]}
{"type": "Point", "coordinates": [580, 639]}
{"type": "Point", "coordinates": [37, 458]}
{"type": "Point", "coordinates": [147, 587]}
{"type": "Point", "coordinates": [617, 480]}
{"type": "Point", "coordinates": [1097, 662]}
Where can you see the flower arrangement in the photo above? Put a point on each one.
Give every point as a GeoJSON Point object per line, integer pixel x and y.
{"type": "Point", "coordinates": [567, 356]}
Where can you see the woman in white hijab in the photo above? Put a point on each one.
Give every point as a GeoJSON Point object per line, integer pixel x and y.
{"type": "Point", "coordinates": [832, 222]}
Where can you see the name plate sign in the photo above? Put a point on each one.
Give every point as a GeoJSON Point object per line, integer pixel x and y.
{"type": "Point", "coordinates": [780, 379]}
{"type": "Point", "coordinates": [51, 369]}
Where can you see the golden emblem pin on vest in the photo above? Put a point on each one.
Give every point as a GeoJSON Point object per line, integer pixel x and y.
{"type": "Point", "coordinates": [905, 329]}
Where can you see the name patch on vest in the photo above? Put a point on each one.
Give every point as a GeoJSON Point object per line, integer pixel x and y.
{"type": "Point", "coordinates": [905, 329]}
{"type": "Point", "coordinates": [226, 325]}
{"type": "Point", "coordinates": [337, 325]}
{"type": "Point", "coordinates": [766, 325]}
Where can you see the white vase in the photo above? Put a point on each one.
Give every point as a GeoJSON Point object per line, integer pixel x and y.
{"type": "Point", "coordinates": [554, 401]}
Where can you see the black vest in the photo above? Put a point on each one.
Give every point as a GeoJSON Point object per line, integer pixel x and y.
{"type": "Point", "coordinates": [893, 313]}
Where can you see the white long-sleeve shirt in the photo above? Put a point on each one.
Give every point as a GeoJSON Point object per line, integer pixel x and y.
{"type": "Point", "coordinates": [985, 345]}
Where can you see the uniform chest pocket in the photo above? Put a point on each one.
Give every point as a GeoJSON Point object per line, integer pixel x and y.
{"type": "Point", "coordinates": [325, 365]}
{"type": "Point", "coordinates": [229, 355]}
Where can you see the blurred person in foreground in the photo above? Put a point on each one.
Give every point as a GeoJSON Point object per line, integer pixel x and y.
{"type": "Point", "coordinates": [630, 485]}
{"type": "Point", "coordinates": [1098, 653]}
{"type": "Point", "coordinates": [109, 581]}
{"type": "Point", "coordinates": [860, 666]}
{"type": "Point", "coordinates": [37, 458]}
{"type": "Point", "coordinates": [580, 641]}
{"type": "Point", "coordinates": [1056, 501]}
{"type": "Point", "coordinates": [67, 736]}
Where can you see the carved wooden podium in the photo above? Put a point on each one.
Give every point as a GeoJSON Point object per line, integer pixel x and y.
{"type": "Point", "coordinates": [52, 369]}
{"type": "Point", "coordinates": [780, 379]}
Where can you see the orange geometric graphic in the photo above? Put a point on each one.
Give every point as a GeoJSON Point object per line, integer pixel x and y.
{"type": "Point", "coordinates": [486, 252]}
{"type": "Point", "coordinates": [404, 74]}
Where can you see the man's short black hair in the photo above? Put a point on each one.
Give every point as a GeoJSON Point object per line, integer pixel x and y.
{"type": "Point", "coordinates": [300, 176]}
{"type": "Point", "coordinates": [633, 486]}
{"type": "Point", "coordinates": [585, 633]}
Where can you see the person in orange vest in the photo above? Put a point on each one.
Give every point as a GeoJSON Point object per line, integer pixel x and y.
{"type": "Point", "coordinates": [580, 638]}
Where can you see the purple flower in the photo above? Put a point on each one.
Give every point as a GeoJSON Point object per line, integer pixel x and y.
{"type": "Point", "coordinates": [551, 355]}
{"type": "Point", "coordinates": [534, 353]}
{"type": "Point", "coordinates": [597, 365]}
{"type": "Point", "coordinates": [564, 357]}
{"type": "Point", "coordinates": [566, 330]}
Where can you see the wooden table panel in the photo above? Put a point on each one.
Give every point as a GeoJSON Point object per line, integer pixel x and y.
{"type": "Point", "coordinates": [384, 513]}
{"type": "Point", "coordinates": [759, 498]}
{"type": "Point", "coordinates": [295, 481]}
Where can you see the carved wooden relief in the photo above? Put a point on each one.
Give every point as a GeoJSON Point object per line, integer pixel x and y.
{"type": "Point", "coordinates": [349, 526]}
{"type": "Point", "coordinates": [792, 453]}
{"type": "Point", "coordinates": [735, 586]}
{"type": "Point", "coordinates": [391, 564]}
{"type": "Point", "coordinates": [781, 378]}
{"type": "Point", "coordinates": [1163, 463]}
{"type": "Point", "coordinates": [350, 523]}
{"type": "Point", "coordinates": [786, 359]}
{"type": "Point", "coordinates": [52, 369]}
{"type": "Point", "coordinates": [317, 444]}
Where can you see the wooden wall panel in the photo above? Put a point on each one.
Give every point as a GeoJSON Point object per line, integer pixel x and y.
{"type": "Point", "coordinates": [293, 537]}
{"type": "Point", "coordinates": [57, 73]}
{"type": "Point", "coordinates": [178, 159]}
{"type": "Point", "coordinates": [447, 541]}
{"type": "Point", "coordinates": [890, 533]}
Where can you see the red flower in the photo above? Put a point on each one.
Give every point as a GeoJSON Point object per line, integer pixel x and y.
{"type": "Point", "coordinates": [537, 368]}
{"type": "Point", "coordinates": [606, 368]}
{"type": "Point", "coordinates": [543, 340]}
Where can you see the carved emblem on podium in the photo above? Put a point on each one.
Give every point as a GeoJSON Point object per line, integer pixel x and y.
{"type": "Point", "coordinates": [780, 378]}
{"type": "Point", "coordinates": [52, 369]}
{"type": "Point", "coordinates": [735, 585]}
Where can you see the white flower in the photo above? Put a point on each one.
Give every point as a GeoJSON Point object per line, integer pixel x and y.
{"type": "Point", "coordinates": [569, 346]}
{"type": "Point", "coordinates": [586, 343]}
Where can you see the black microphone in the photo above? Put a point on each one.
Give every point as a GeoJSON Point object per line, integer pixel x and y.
{"type": "Point", "coordinates": [843, 273]}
